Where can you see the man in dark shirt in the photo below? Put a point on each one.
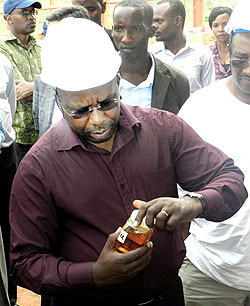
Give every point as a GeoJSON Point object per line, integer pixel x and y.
{"type": "Point", "coordinates": [78, 183]}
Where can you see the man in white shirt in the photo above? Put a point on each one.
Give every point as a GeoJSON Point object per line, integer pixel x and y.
{"type": "Point", "coordinates": [217, 267]}
{"type": "Point", "coordinates": [8, 157]}
{"type": "Point", "coordinates": [174, 48]}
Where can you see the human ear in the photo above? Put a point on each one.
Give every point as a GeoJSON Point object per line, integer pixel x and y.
{"type": "Point", "coordinates": [8, 19]}
{"type": "Point", "coordinates": [118, 80]}
{"type": "Point", "coordinates": [104, 7]}
{"type": "Point", "coordinates": [152, 31]}
{"type": "Point", "coordinates": [178, 21]}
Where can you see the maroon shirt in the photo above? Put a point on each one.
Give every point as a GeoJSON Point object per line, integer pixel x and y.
{"type": "Point", "coordinates": [68, 196]}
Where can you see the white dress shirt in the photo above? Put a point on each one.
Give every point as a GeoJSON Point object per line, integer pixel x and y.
{"type": "Point", "coordinates": [7, 99]}
{"type": "Point", "coordinates": [221, 250]}
{"type": "Point", "coordinates": [57, 115]}
{"type": "Point", "coordinates": [140, 95]}
{"type": "Point", "coordinates": [194, 60]}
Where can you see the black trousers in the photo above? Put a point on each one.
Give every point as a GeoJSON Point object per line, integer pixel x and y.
{"type": "Point", "coordinates": [22, 150]}
{"type": "Point", "coordinates": [8, 166]}
{"type": "Point", "coordinates": [172, 297]}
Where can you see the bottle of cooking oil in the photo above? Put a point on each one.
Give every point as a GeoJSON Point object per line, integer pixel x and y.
{"type": "Point", "coordinates": [132, 237]}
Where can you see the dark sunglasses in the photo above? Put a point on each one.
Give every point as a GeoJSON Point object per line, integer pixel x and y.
{"type": "Point", "coordinates": [84, 112]}
{"type": "Point", "coordinates": [240, 63]}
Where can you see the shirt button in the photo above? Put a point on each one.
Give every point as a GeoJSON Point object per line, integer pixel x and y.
{"type": "Point", "coordinates": [123, 186]}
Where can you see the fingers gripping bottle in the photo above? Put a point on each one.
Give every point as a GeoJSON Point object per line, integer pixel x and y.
{"type": "Point", "coordinates": [132, 237]}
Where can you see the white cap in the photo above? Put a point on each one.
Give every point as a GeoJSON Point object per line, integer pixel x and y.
{"type": "Point", "coordinates": [77, 54]}
{"type": "Point", "coordinates": [239, 19]}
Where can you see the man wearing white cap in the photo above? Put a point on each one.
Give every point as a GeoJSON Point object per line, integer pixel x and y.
{"type": "Point", "coordinates": [79, 182]}
{"type": "Point", "coordinates": [217, 268]}
{"type": "Point", "coordinates": [24, 53]}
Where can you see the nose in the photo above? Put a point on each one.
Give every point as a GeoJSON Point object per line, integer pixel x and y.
{"type": "Point", "coordinates": [96, 117]}
{"type": "Point", "coordinates": [154, 24]}
{"type": "Point", "coordinates": [32, 16]}
{"type": "Point", "coordinates": [221, 28]}
{"type": "Point", "coordinates": [247, 70]}
{"type": "Point", "coordinates": [126, 37]}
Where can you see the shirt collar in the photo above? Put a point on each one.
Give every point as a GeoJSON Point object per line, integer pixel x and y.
{"type": "Point", "coordinates": [189, 45]}
{"type": "Point", "coordinates": [67, 138]}
{"type": "Point", "coordinates": [9, 37]}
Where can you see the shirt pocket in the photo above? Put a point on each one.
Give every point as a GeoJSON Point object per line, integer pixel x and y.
{"type": "Point", "coordinates": [160, 183]}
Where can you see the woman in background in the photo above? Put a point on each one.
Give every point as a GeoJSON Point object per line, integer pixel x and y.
{"type": "Point", "coordinates": [218, 20]}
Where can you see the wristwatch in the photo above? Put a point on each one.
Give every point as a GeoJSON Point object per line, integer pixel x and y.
{"type": "Point", "coordinates": [202, 200]}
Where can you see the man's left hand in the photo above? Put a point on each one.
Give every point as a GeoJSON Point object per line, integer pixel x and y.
{"type": "Point", "coordinates": [167, 213]}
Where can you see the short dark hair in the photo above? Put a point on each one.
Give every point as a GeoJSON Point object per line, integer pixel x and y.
{"type": "Point", "coordinates": [219, 10]}
{"type": "Point", "coordinates": [68, 11]}
{"type": "Point", "coordinates": [230, 45]}
{"type": "Point", "coordinates": [177, 9]}
{"type": "Point", "coordinates": [100, 1]}
{"type": "Point", "coordinates": [141, 4]}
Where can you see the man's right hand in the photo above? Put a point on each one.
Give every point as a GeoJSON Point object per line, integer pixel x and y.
{"type": "Point", "coordinates": [113, 268]}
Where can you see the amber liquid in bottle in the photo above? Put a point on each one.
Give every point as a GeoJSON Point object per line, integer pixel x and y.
{"type": "Point", "coordinates": [132, 237]}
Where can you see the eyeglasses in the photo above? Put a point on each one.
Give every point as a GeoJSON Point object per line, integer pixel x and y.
{"type": "Point", "coordinates": [84, 112]}
{"type": "Point", "coordinates": [240, 63]}
{"type": "Point", "coordinates": [27, 13]}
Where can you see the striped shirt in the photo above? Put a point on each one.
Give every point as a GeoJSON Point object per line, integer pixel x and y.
{"type": "Point", "coordinates": [220, 71]}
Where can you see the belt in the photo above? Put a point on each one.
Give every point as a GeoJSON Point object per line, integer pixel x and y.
{"type": "Point", "coordinates": [159, 298]}
{"type": "Point", "coordinates": [146, 303]}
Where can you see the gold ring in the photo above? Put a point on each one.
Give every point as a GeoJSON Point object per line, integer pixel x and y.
{"type": "Point", "coordinates": [165, 213]}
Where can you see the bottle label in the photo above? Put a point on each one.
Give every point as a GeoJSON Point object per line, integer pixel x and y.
{"type": "Point", "coordinates": [122, 237]}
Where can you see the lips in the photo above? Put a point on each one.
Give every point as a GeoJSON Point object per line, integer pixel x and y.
{"type": "Point", "coordinates": [100, 132]}
{"type": "Point", "coordinates": [157, 35]}
{"type": "Point", "coordinates": [222, 36]}
{"type": "Point", "coordinates": [127, 48]}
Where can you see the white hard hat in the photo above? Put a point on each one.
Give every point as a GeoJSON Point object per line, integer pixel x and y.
{"type": "Point", "coordinates": [239, 20]}
{"type": "Point", "coordinates": [77, 54]}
